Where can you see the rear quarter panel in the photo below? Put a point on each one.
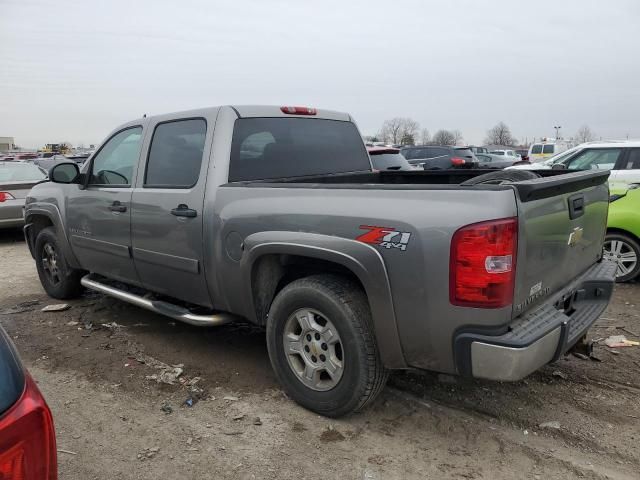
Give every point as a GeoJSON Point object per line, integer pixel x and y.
{"type": "Point", "coordinates": [418, 276]}
{"type": "Point", "coordinates": [624, 213]}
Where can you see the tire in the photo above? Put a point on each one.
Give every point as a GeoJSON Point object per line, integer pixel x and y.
{"type": "Point", "coordinates": [623, 249]}
{"type": "Point", "coordinates": [501, 176]}
{"type": "Point", "coordinates": [56, 276]}
{"type": "Point", "coordinates": [328, 303]}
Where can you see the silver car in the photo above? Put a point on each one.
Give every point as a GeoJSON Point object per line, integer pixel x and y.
{"type": "Point", "coordinates": [16, 179]}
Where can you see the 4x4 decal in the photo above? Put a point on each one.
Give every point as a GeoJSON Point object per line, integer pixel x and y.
{"type": "Point", "coordinates": [387, 237]}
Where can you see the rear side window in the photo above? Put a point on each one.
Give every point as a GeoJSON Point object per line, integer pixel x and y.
{"type": "Point", "coordinates": [264, 148]}
{"type": "Point", "coordinates": [548, 149]}
{"type": "Point", "coordinates": [536, 149]}
{"type": "Point", "coordinates": [175, 155]}
{"type": "Point", "coordinates": [634, 159]}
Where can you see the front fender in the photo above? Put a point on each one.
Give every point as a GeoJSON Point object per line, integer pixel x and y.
{"type": "Point", "coordinates": [51, 212]}
{"type": "Point", "coordinates": [363, 260]}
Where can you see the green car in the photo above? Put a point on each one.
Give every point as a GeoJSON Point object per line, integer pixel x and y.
{"type": "Point", "coordinates": [622, 243]}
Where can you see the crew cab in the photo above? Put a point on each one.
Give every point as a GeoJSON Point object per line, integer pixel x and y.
{"type": "Point", "coordinates": [274, 215]}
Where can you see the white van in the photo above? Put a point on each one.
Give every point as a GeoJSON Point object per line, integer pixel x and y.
{"type": "Point", "coordinates": [539, 152]}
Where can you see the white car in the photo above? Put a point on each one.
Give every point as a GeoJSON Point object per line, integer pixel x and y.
{"type": "Point", "coordinates": [506, 153]}
{"type": "Point", "coordinates": [621, 158]}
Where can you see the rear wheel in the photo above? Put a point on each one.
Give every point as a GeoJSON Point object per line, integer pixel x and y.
{"type": "Point", "coordinates": [625, 251]}
{"type": "Point", "coordinates": [56, 276]}
{"type": "Point", "coordinates": [322, 346]}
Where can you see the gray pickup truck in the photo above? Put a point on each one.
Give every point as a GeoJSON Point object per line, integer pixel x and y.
{"type": "Point", "coordinates": [274, 215]}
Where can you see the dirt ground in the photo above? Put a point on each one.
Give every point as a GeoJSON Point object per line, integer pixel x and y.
{"type": "Point", "coordinates": [113, 422]}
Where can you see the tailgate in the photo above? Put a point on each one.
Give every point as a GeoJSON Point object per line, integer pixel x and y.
{"type": "Point", "coordinates": [561, 222]}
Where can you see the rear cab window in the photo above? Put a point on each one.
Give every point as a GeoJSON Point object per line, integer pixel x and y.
{"type": "Point", "coordinates": [268, 148]}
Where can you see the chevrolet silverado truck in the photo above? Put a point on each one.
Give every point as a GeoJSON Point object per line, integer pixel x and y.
{"type": "Point", "coordinates": [274, 215]}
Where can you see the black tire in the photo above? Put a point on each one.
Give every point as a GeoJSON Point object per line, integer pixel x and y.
{"type": "Point", "coordinates": [501, 176]}
{"type": "Point", "coordinates": [345, 305]}
{"type": "Point", "coordinates": [630, 244]}
{"type": "Point", "coordinates": [65, 283]}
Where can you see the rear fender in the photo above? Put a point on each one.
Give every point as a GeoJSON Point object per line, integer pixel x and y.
{"type": "Point", "coordinates": [362, 260]}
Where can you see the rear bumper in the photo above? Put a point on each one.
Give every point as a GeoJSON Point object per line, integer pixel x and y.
{"type": "Point", "coordinates": [542, 334]}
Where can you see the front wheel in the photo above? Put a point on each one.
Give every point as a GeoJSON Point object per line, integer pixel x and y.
{"type": "Point", "coordinates": [625, 251]}
{"type": "Point", "coordinates": [322, 346]}
{"type": "Point", "coordinates": [56, 276]}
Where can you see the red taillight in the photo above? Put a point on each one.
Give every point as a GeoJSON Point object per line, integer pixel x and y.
{"type": "Point", "coordinates": [457, 161]}
{"type": "Point", "coordinates": [482, 265]}
{"type": "Point", "coordinates": [6, 196]}
{"type": "Point", "coordinates": [298, 110]}
{"type": "Point", "coordinates": [27, 438]}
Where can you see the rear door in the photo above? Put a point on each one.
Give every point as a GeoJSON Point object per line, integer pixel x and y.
{"type": "Point", "coordinates": [167, 208]}
{"type": "Point", "coordinates": [627, 172]}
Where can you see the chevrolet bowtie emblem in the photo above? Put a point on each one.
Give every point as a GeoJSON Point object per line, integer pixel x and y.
{"type": "Point", "coordinates": [575, 236]}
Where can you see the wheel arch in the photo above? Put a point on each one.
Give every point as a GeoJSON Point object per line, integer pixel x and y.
{"type": "Point", "coordinates": [43, 216]}
{"type": "Point", "coordinates": [273, 259]}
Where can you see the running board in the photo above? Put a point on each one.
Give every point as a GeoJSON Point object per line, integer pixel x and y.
{"type": "Point", "coordinates": [163, 308]}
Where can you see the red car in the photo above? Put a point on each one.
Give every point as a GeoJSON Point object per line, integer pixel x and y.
{"type": "Point", "coordinates": [27, 436]}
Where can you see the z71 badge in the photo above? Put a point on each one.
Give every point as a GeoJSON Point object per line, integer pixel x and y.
{"type": "Point", "coordinates": [386, 237]}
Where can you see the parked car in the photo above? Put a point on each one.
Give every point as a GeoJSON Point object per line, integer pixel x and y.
{"type": "Point", "coordinates": [622, 243]}
{"type": "Point", "coordinates": [274, 215]}
{"type": "Point", "coordinates": [477, 150]}
{"type": "Point", "coordinates": [16, 179]}
{"type": "Point", "coordinates": [47, 162]}
{"type": "Point", "coordinates": [387, 158]}
{"type": "Point", "coordinates": [27, 434]}
{"type": "Point", "coordinates": [488, 160]}
{"type": "Point", "coordinates": [507, 153]}
{"type": "Point", "coordinates": [440, 157]}
{"type": "Point", "coordinates": [524, 154]}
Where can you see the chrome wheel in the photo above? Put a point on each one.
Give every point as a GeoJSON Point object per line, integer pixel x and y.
{"type": "Point", "coordinates": [623, 254]}
{"type": "Point", "coordinates": [313, 349]}
{"type": "Point", "coordinates": [50, 264]}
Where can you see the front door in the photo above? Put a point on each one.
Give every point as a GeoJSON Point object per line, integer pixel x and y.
{"type": "Point", "coordinates": [99, 216]}
{"type": "Point", "coordinates": [167, 211]}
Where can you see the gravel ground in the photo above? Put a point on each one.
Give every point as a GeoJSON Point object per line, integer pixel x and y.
{"type": "Point", "coordinates": [575, 419]}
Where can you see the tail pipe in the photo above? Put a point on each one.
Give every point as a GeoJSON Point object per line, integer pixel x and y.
{"type": "Point", "coordinates": [163, 308]}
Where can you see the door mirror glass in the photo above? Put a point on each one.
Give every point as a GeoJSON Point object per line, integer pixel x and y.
{"type": "Point", "coordinates": [64, 173]}
{"type": "Point", "coordinates": [558, 166]}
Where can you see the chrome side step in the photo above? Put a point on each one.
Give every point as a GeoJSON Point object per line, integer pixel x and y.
{"type": "Point", "coordinates": [164, 308]}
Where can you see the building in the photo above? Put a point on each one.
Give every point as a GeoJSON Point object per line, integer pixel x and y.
{"type": "Point", "coordinates": [6, 144]}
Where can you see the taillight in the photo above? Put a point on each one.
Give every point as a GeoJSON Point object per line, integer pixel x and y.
{"type": "Point", "coordinates": [6, 196]}
{"type": "Point", "coordinates": [27, 438]}
{"type": "Point", "coordinates": [482, 264]}
{"type": "Point", "coordinates": [298, 110]}
{"type": "Point", "coordinates": [457, 161]}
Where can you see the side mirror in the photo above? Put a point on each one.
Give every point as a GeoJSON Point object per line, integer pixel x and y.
{"type": "Point", "coordinates": [67, 172]}
{"type": "Point", "coordinates": [558, 166]}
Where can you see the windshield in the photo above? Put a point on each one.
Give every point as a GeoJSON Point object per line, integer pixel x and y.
{"type": "Point", "coordinates": [20, 172]}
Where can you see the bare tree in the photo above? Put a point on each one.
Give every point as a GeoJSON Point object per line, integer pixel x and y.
{"type": "Point", "coordinates": [457, 135]}
{"type": "Point", "coordinates": [425, 137]}
{"type": "Point", "coordinates": [444, 137]}
{"type": "Point", "coordinates": [500, 135]}
{"type": "Point", "coordinates": [399, 130]}
{"type": "Point", "coordinates": [585, 134]}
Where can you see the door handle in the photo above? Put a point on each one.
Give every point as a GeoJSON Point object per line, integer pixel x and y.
{"type": "Point", "coordinates": [183, 210]}
{"type": "Point", "coordinates": [117, 207]}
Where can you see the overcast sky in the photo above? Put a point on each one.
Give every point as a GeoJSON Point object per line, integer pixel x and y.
{"type": "Point", "coordinates": [73, 70]}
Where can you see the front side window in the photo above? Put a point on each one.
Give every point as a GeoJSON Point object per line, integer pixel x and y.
{"type": "Point", "coordinates": [175, 155]}
{"type": "Point", "coordinates": [595, 159]}
{"type": "Point", "coordinates": [114, 163]}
